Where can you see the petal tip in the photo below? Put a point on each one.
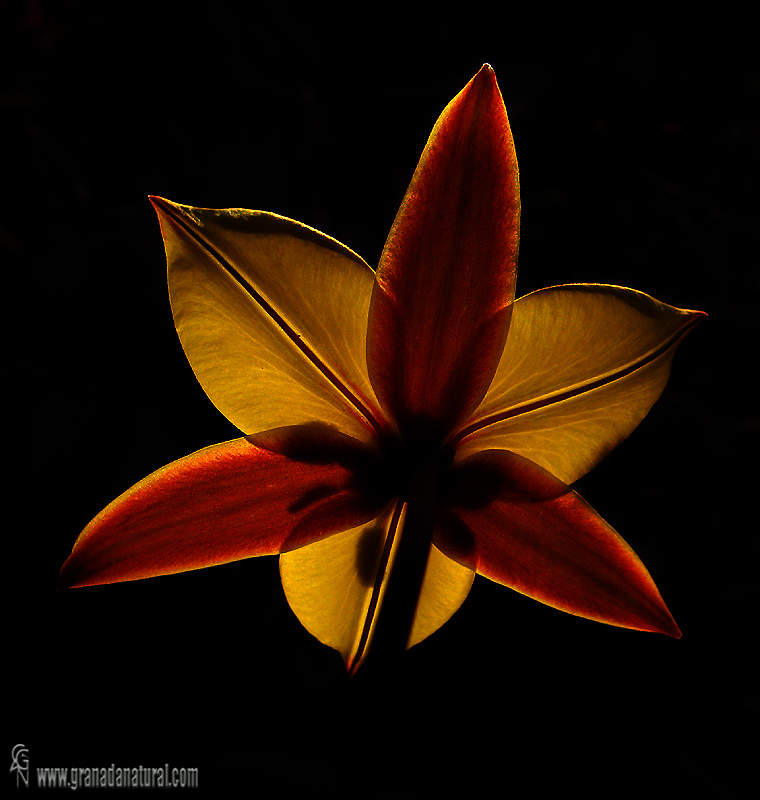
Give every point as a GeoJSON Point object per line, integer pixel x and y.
{"type": "Point", "coordinates": [665, 624]}
{"type": "Point", "coordinates": [674, 630]}
{"type": "Point", "coordinates": [65, 578]}
{"type": "Point", "coordinates": [485, 76]}
{"type": "Point", "coordinates": [75, 573]}
{"type": "Point", "coordinates": [159, 203]}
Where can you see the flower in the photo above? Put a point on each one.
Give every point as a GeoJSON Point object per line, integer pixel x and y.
{"type": "Point", "coordinates": [404, 429]}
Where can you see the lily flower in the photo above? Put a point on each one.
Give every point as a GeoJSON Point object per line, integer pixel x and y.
{"type": "Point", "coordinates": [404, 429]}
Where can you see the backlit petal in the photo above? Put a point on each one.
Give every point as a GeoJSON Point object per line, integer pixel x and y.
{"type": "Point", "coordinates": [336, 587]}
{"type": "Point", "coordinates": [581, 368]}
{"type": "Point", "coordinates": [272, 316]}
{"type": "Point", "coordinates": [440, 306]}
{"type": "Point", "coordinates": [223, 503]}
{"type": "Point", "coordinates": [444, 588]}
{"type": "Point", "coordinates": [520, 526]}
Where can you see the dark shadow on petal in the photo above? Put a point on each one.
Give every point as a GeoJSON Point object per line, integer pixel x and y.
{"type": "Point", "coordinates": [491, 474]}
{"type": "Point", "coordinates": [473, 484]}
{"type": "Point", "coordinates": [481, 480]}
{"type": "Point", "coordinates": [312, 497]}
{"type": "Point", "coordinates": [368, 552]}
{"type": "Point", "coordinates": [362, 488]}
{"type": "Point", "coordinates": [319, 443]}
{"type": "Point", "coordinates": [455, 540]}
{"type": "Point", "coordinates": [310, 443]}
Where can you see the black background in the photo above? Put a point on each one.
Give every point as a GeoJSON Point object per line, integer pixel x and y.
{"type": "Point", "coordinates": [636, 132]}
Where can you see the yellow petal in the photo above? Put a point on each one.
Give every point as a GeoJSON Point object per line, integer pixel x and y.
{"type": "Point", "coordinates": [444, 588]}
{"type": "Point", "coordinates": [336, 586]}
{"type": "Point", "coordinates": [582, 366]}
{"type": "Point", "coordinates": [272, 316]}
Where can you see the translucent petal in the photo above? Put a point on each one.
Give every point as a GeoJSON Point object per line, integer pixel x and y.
{"type": "Point", "coordinates": [223, 503]}
{"type": "Point", "coordinates": [333, 586]}
{"type": "Point", "coordinates": [440, 307]}
{"type": "Point", "coordinates": [444, 588]}
{"type": "Point", "coordinates": [336, 587]}
{"type": "Point", "coordinates": [581, 368]}
{"type": "Point", "coordinates": [520, 526]}
{"type": "Point", "coordinates": [272, 316]}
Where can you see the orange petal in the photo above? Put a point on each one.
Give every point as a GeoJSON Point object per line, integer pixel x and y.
{"type": "Point", "coordinates": [226, 502]}
{"type": "Point", "coordinates": [440, 306]}
{"type": "Point", "coordinates": [520, 526]}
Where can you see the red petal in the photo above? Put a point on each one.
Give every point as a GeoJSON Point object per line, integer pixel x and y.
{"type": "Point", "coordinates": [440, 306]}
{"type": "Point", "coordinates": [520, 526]}
{"type": "Point", "coordinates": [223, 503]}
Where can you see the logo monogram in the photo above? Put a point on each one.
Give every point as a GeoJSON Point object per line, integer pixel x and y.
{"type": "Point", "coordinates": [20, 765]}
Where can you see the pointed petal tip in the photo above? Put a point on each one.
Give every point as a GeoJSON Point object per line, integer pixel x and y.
{"type": "Point", "coordinates": [160, 206]}
{"type": "Point", "coordinates": [673, 630]}
{"type": "Point", "coordinates": [159, 203]}
{"type": "Point", "coordinates": [694, 319]}
{"type": "Point", "coordinates": [485, 76]}
{"type": "Point", "coordinates": [66, 578]}
{"type": "Point", "coordinates": [665, 624]}
{"type": "Point", "coordinates": [73, 575]}
{"type": "Point", "coordinates": [165, 207]}
{"type": "Point", "coordinates": [694, 314]}
{"type": "Point", "coordinates": [61, 583]}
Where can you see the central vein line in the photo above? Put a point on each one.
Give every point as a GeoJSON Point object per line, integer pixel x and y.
{"type": "Point", "coordinates": [401, 572]}
{"type": "Point", "coordinates": [575, 391]}
{"type": "Point", "coordinates": [393, 532]}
